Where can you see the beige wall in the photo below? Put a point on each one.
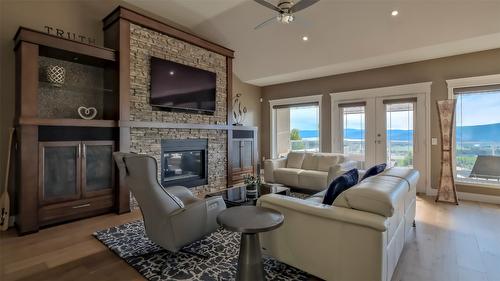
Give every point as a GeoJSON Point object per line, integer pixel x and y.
{"type": "Point", "coordinates": [436, 70]}
{"type": "Point", "coordinates": [250, 97]}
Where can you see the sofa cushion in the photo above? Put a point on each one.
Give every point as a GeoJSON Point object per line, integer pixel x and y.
{"type": "Point", "coordinates": [310, 162]}
{"type": "Point", "coordinates": [326, 160]}
{"type": "Point", "coordinates": [373, 171]}
{"type": "Point", "coordinates": [287, 176]}
{"type": "Point", "coordinates": [294, 160]}
{"type": "Point", "coordinates": [311, 179]}
{"type": "Point", "coordinates": [379, 195]}
{"type": "Point", "coordinates": [339, 185]}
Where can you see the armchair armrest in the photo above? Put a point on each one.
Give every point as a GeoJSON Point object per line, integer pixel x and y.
{"type": "Point", "coordinates": [311, 208]}
{"type": "Point", "coordinates": [183, 193]}
{"type": "Point", "coordinates": [270, 165]}
{"type": "Point", "coordinates": [196, 219]}
{"type": "Point", "coordinates": [339, 169]}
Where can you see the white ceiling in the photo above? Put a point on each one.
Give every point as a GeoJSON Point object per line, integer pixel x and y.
{"type": "Point", "coordinates": [344, 35]}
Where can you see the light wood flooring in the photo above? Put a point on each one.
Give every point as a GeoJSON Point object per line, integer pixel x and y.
{"type": "Point", "coordinates": [451, 243]}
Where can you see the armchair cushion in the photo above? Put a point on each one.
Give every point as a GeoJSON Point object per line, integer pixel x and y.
{"type": "Point", "coordinates": [311, 179]}
{"type": "Point", "coordinates": [339, 185]}
{"type": "Point", "coordinates": [287, 176]}
{"type": "Point", "coordinates": [310, 162]}
{"type": "Point", "coordinates": [294, 160]}
{"type": "Point", "coordinates": [327, 160]}
{"type": "Point", "coordinates": [270, 165]}
{"type": "Point", "coordinates": [375, 170]}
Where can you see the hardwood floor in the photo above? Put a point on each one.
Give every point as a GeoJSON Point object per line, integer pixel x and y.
{"type": "Point", "coordinates": [451, 243]}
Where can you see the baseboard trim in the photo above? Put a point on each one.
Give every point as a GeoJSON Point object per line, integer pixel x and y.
{"type": "Point", "coordinates": [471, 196]}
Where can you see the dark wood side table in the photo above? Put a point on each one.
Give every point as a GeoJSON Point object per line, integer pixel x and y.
{"type": "Point", "coordinates": [250, 221]}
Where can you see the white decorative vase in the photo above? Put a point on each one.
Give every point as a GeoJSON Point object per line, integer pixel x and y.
{"type": "Point", "coordinates": [56, 75]}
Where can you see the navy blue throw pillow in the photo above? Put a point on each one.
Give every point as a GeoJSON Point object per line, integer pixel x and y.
{"type": "Point", "coordinates": [340, 184]}
{"type": "Point", "coordinates": [375, 170]}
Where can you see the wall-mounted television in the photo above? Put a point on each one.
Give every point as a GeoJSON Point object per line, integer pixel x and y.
{"type": "Point", "coordinates": [178, 86]}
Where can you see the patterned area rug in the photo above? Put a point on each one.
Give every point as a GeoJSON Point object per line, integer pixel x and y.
{"type": "Point", "coordinates": [130, 243]}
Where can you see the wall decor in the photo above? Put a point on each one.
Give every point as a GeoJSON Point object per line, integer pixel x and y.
{"type": "Point", "coordinates": [56, 75]}
{"type": "Point", "coordinates": [69, 35]}
{"type": "Point", "coordinates": [239, 111]}
{"type": "Point", "coordinates": [447, 191]}
{"type": "Point", "coordinates": [87, 113]}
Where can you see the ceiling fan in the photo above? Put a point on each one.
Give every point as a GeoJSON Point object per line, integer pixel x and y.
{"type": "Point", "coordinates": [285, 9]}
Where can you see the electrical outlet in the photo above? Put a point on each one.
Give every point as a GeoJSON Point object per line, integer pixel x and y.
{"type": "Point", "coordinates": [434, 141]}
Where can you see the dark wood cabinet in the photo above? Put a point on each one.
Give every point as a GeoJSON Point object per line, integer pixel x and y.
{"type": "Point", "coordinates": [74, 177]}
{"type": "Point", "coordinates": [243, 154]}
{"type": "Point", "coordinates": [59, 170]}
{"type": "Point", "coordinates": [64, 165]}
{"type": "Point", "coordinates": [98, 173]}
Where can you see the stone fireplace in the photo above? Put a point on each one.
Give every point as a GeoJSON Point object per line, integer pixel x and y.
{"type": "Point", "coordinates": [184, 162]}
{"type": "Point", "coordinates": [156, 140]}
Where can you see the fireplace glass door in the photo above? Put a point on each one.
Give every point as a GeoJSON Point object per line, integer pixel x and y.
{"type": "Point", "coordinates": [182, 165]}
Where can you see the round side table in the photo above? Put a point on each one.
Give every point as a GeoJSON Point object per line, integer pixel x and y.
{"type": "Point", "coordinates": [250, 221]}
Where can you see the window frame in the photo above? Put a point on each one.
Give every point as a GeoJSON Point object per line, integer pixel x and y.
{"type": "Point", "coordinates": [292, 101]}
{"type": "Point", "coordinates": [453, 85]}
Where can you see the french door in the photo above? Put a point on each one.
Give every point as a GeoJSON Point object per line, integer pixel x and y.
{"type": "Point", "coordinates": [385, 129]}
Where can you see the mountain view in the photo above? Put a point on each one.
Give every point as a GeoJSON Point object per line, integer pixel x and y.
{"type": "Point", "coordinates": [479, 133]}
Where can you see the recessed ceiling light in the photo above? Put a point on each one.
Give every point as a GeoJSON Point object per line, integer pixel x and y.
{"type": "Point", "coordinates": [394, 13]}
{"type": "Point", "coordinates": [171, 72]}
{"type": "Point", "coordinates": [305, 38]}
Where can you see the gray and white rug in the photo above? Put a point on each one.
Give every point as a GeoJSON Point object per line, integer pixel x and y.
{"type": "Point", "coordinates": [130, 243]}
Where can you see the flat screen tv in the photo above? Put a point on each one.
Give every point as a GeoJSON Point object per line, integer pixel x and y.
{"type": "Point", "coordinates": [178, 86]}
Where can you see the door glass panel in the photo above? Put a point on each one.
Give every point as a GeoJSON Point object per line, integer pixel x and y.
{"type": "Point", "coordinates": [99, 164]}
{"type": "Point", "coordinates": [297, 129]}
{"type": "Point", "coordinates": [60, 172]}
{"type": "Point", "coordinates": [353, 136]}
{"type": "Point", "coordinates": [246, 154]}
{"type": "Point", "coordinates": [399, 134]}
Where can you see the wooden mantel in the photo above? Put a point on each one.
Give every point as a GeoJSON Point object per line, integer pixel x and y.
{"type": "Point", "coordinates": [133, 17]}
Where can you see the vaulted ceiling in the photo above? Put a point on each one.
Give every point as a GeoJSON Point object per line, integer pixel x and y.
{"type": "Point", "coordinates": [344, 35]}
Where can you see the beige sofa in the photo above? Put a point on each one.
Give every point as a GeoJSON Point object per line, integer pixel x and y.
{"type": "Point", "coordinates": [312, 171]}
{"type": "Point", "coordinates": [359, 237]}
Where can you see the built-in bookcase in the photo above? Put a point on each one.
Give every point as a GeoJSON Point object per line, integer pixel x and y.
{"type": "Point", "coordinates": [65, 168]}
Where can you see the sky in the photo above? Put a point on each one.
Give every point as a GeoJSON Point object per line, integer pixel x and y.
{"type": "Point", "coordinates": [473, 109]}
{"type": "Point", "coordinates": [304, 118]}
{"type": "Point", "coordinates": [478, 109]}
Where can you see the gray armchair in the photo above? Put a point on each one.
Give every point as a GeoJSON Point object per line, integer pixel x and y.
{"type": "Point", "coordinates": [173, 217]}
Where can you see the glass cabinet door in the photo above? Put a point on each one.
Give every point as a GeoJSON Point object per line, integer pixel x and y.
{"type": "Point", "coordinates": [97, 167]}
{"type": "Point", "coordinates": [59, 165]}
{"type": "Point", "coordinates": [246, 151]}
{"type": "Point", "coordinates": [236, 156]}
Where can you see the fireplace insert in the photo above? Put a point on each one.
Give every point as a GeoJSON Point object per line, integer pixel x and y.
{"type": "Point", "coordinates": [184, 162]}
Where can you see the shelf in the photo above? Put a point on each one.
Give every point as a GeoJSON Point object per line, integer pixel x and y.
{"type": "Point", "coordinates": [78, 89]}
{"type": "Point", "coordinates": [67, 122]}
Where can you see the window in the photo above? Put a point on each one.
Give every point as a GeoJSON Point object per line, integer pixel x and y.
{"type": "Point", "coordinates": [296, 128]}
{"type": "Point", "coordinates": [353, 135]}
{"type": "Point", "coordinates": [477, 138]}
{"type": "Point", "coordinates": [399, 134]}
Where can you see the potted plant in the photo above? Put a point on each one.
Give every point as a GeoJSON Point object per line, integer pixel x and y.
{"type": "Point", "coordinates": [252, 182]}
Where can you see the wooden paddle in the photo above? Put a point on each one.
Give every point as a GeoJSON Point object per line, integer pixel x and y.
{"type": "Point", "coordinates": [4, 199]}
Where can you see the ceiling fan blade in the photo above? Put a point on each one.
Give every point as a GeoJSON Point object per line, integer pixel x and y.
{"type": "Point", "coordinates": [301, 5]}
{"type": "Point", "coordinates": [268, 5]}
{"type": "Point", "coordinates": [271, 20]}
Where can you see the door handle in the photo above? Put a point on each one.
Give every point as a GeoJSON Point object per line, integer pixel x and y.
{"type": "Point", "coordinates": [81, 206]}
